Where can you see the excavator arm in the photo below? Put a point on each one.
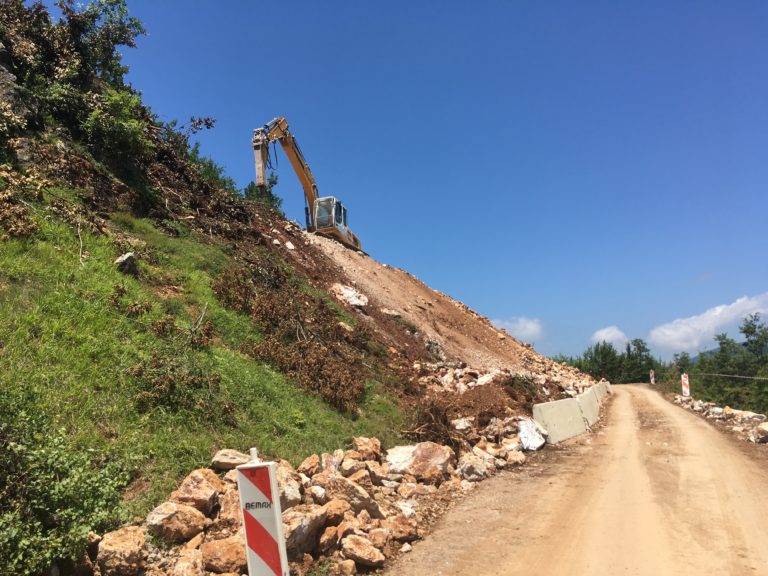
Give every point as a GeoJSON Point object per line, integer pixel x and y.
{"type": "Point", "coordinates": [325, 216]}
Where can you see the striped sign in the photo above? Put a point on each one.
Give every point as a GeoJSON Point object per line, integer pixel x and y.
{"type": "Point", "coordinates": [686, 386]}
{"type": "Point", "coordinates": [262, 519]}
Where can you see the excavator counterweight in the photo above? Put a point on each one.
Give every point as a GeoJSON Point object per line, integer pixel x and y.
{"type": "Point", "coordinates": [325, 216]}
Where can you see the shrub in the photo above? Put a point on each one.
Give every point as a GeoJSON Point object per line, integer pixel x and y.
{"type": "Point", "coordinates": [51, 495]}
{"type": "Point", "coordinates": [116, 131]}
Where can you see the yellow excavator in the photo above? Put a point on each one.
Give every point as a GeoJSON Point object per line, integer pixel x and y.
{"type": "Point", "coordinates": [326, 216]}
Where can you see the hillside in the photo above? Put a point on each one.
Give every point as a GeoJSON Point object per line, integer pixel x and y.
{"type": "Point", "coordinates": [151, 315]}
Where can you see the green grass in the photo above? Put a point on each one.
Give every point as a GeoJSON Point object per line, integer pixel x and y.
{"type": "Point", "coordinates": [64, 338]}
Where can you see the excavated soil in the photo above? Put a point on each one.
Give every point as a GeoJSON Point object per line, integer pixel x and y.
{"type": "Point", "coordinates": [462, 333]}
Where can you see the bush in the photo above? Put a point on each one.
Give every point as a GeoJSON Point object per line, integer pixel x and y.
{"type": "Point", "coordinates": [51, 495]}
{"type": "Point", "coordinates": [265, 195]}
{"type": "Point", "coordinates": [116, 131]}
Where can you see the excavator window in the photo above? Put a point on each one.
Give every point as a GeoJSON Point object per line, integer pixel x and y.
{"type": "Point", "coordinates": [339, 210]}
{"type": "Point", "coordinates": [324, 215]}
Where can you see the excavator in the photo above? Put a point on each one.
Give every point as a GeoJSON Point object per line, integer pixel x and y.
{"type": "Point", "coordinates": [325, 216]}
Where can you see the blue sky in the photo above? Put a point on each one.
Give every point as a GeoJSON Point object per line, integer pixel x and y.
{"type": "Point", "coordinates": [560, 167]}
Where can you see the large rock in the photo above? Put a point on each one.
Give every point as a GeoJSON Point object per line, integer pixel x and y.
{"type": "Point", "coordinates": [228, 520]}
{"type": "Point", "coordinates": [175, 522]}
{"type": "Point", "coordinates": [369, 448]}
{"type": "Point", "coordinates": [228, 459]}
{"type": "Point", "coordinates": [335, 510]}
{"type": "Point", "coordinates": [127, 264]}
{"type": "Point", "coordinates": [121, 553]}
{"type": "Point", "coordinates": [360, 549]}
{"type": "Point", "coordinates": [760, 434]}
{"type": "Point", "coordinates": [401, 528]}
{"type": "Point", "coordinates": [529, 434]}
{"type": "Point", "coordinates": [425, 461]}
{"type": "Point", "coordinates": [301, 525]}
{"type": "Point", "coordinates": [225, 555]}
{"type": "Point", "coordinates": [310, 466]}
{"type": "Point", "coordinates": [349, 295]}
{"type": "Point", "coordinates": [289, 483]}
{"type": "Point", "coordinates": [189, 563]}
{"type": "Point", "coordinates": [358, 498]}
{"type": "Point", "coordinates": [200, 489]}
{"type": "Point", "coordinates": [474, 468]}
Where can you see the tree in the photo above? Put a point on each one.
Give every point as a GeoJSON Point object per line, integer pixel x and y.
{"type": "Point", "coordinates": [95, 32]}
{"type": "Point", "coordinates": [264, 195]}
{"type": "Point", "coordinates": [636, 362]}
{"type": "Point", "coordinates": [601, 361]}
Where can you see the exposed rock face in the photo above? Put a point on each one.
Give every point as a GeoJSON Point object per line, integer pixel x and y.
{"type": "Point", "coordinates": [121, 553]}
{"type": "Point", "coordinates": [175, 522]}
{"type": "Point", "coordinates": [360, 549]}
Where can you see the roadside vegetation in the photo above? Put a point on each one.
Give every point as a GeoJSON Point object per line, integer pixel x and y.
{"type": "Point", "coordinates": [114, 386]}
{"type": "Point", "coordinates": [733, 374]}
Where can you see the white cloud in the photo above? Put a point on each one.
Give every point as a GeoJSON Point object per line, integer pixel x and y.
{"type": "Point", "coordinates": [612, 335]}
{"type": "Point", "coordinates": [522, 328]}
{"type": "Point", "coordinates": [690, 333]}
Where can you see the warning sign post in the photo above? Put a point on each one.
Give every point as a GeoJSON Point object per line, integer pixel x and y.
{"type": "Point", "coordinates": [262, 519]}
{"type": "Point", "coordinates": [686, 386]}
{"type": "Point", "coordinates": [653, 377]}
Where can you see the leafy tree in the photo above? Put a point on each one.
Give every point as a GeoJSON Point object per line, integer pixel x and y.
{"type": "Point", "coordinates": [211, 171]}
{"type": "Point", "coordinates": [264, 195]}
{"type": "Point", "coordinates": [636, 362]}
{"type": "Point", "coordinates": [601, 361]}
{"type": "Point", "coordinates": [96, 31]}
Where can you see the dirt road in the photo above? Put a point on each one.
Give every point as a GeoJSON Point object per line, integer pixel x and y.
{"type": "Point", "coordinates": [658, 491]}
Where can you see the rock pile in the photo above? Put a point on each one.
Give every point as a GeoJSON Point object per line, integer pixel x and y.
{"type": "Point", "coordinates": [555, 380]}
{"type": "Point", "coordinates": [748, 425]}
{"type": "Point", "coordinates": [351, 509]}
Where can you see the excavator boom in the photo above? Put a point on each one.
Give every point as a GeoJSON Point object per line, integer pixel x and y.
{"type": "Point", "coordinates": [325, 216]}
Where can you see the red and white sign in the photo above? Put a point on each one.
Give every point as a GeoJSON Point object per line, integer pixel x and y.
{"type": "Point", "coordinates": [262, 519]}
{"type": "Point", "coordinates": [686, 387]}
{"type": "Point", "coordinates": [653, 377]}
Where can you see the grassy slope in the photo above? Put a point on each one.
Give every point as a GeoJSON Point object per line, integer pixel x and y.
{"type": "Point", "coordinates": [63, 336]}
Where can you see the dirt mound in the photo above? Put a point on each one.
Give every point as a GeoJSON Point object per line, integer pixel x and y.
{"type": "Point", "coordinates": [431, 316]}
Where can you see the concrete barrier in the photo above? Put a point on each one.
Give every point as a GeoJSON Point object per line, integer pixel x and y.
{"type": "Point", "coordinates": [601, 391]}
{"type": "Point", "coordinates": [590, 406]}
{"type": "Point", "coordinates": [563, 419]}
{"type": "Point", "coordinates": [570, 417]}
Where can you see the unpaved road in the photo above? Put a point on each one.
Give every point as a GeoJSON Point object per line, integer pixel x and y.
{"type": "Point", "coordinates": [658, 491]}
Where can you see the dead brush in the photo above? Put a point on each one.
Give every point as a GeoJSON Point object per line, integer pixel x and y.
{"type": "Point", "coordinates": [430, 420]}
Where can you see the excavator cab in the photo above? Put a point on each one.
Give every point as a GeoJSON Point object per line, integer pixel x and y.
{"type": "Point", "coordinates": [331, 220]}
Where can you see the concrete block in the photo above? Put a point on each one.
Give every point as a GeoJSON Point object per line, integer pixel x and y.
{"type": "Point", "coordinates": [590, 407]}
{"type": "Point", "coordinates": [562, 418]}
